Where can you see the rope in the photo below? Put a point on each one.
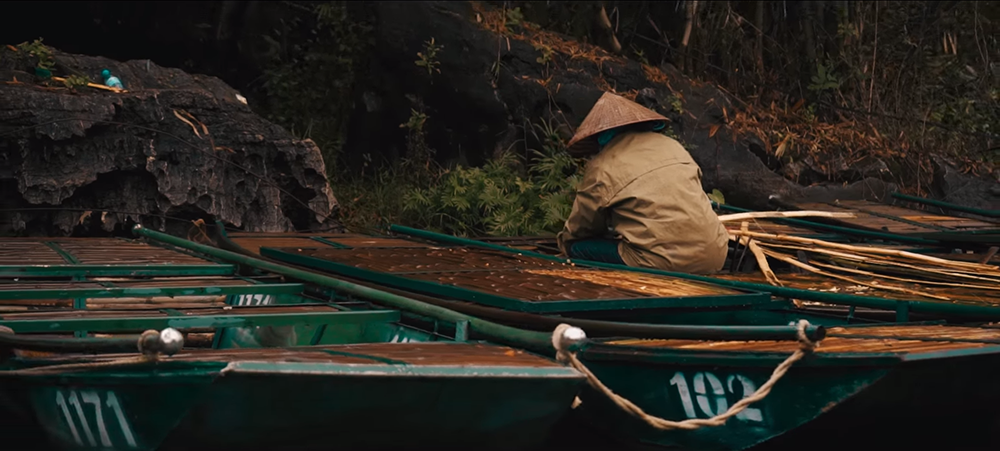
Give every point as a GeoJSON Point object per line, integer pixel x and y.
{"type": "Point", "coordinates": [563, 355]}
{"type": "Point", "coordinates": [145, 357]}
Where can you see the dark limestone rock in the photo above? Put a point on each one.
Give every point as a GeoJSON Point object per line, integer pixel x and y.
{"type": "Point", "coordinates": [491, 88]}
{"type": "Point", "coordinates": [130, 157]}
{"type": "Point", "coordinates": [966, 189]}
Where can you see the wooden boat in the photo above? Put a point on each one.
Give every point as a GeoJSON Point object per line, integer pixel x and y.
{"type": "Point", "coordinates": [264, 364]}
{"type": "Point", "coordinates": [874, 381]}
{"type": "Point", "coordinates": [886, 287]}
{"type": "Point", "coordinates": [359, 257]}
{"type": "Point", "coordinates": [861, 378]}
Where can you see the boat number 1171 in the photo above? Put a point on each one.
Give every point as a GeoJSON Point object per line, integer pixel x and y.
{"type": "Point", "coordinates": [710, 395]}
{"type": "Point", "coordinates": [85, 411]}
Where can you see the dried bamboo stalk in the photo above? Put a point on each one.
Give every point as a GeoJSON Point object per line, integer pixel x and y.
{"type": "Point", "coordinates": [158, 300]}
{"type": "Point", "coordinates": [873, 250]}
{"type": "Point", "coordinates": [148, 307]}
{"type": "Point", "coordinates": [744, 227]}
{"type": "Point", "coordinates": [895, 271]}
{"type": "Point", "coordinates": [903, 279]}
{"type": "Point", "coordinates": [94, 85]}
{"type": "Point", "coordinates": [765, 269]}
{"type": "Point", "coordinates": [784, 214]}
{"type": "Point", "coordinates": [816, 270]}
{"type": "Point", "coordinates": [758, 253]}
{"type": "Point", "coordinates": [862, 258]}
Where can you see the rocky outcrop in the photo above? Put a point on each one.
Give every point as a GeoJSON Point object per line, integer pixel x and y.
{"type": "Point", "coordinates": [172, 148]}
{"type": "Point", "coordinates": [952, 185]}
{"type": "Point", "coordinates": [497, 78]}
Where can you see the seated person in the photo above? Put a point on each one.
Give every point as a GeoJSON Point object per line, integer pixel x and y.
{"type": "Point", "coordinates": [640, 202]}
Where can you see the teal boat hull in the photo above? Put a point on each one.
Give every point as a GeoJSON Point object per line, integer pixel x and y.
{"type": "Point", "coordinates": [298, 406]}
{"type": "Point", "coordinates": [816, 402]}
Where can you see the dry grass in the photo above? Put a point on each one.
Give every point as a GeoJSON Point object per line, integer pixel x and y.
{"type": "Point", "coordinates": [787, 133]}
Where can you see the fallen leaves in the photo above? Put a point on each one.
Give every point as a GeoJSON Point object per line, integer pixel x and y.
{"type": "Point", "coordinates": [713, 130]}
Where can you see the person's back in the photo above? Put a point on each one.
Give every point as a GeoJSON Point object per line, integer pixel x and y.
{"type": "Point", "coordinates": [644, 188]}
{"type": "Point", "coordinates": [647, 189]}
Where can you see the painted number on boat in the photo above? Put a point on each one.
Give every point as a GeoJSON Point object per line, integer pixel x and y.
{"type": "Point", "coordinates": [399, 337]}
{"type": "Point", "coordinates": [710, 395]}
{"type": "Point", "coordinates": [254, 299]}
{"type": "Point", "coordinates": [84, 411]}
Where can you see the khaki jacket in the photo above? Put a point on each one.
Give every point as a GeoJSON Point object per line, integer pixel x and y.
{"type": "Point", "coordinates": [647, 189]}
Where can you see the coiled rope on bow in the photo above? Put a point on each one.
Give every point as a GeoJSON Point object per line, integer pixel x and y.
{"type": "Point", "coordinates": [564, 355]}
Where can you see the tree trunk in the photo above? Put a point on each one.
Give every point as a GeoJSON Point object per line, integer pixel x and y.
{"type": "Point", "coordinates": [692, 8]}
{"type": "Point", "coordinates": [807, 18]}
{"type": "Point", "coordinates": [758, 23]}
{"type": "Point", "coordinates": [604, 23]}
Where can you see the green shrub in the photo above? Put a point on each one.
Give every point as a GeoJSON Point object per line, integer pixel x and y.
{"type": "Point", "coordinates": [501, 198]}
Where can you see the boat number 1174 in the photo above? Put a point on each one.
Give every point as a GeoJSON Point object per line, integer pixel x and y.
{"type": "Point", "coordinates": [85, 412]}
{"type": "Point", "coordinates": [710, 395]}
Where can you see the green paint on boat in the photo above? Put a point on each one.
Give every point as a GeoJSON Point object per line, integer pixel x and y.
{"type": "Point", "coordinates": [115, 270]}
{"type": "Point", "coordinates": [199, 290]}
{"type": "Point", "coordinates": [117, 324]}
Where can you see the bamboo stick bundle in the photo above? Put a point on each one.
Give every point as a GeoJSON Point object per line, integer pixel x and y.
{"type": "Point", "coordinates": [758, 254]}
{"type": "Point", "coordinates": [891, 270]}
{"type": "Point", "coordinates": [903, 279]}
{"type": "Point", "coordinates": [922, 269]}
{"type": "Point", "coordinates": [813, 269]}
{"type": "Point", "coordinates": [872, 250]}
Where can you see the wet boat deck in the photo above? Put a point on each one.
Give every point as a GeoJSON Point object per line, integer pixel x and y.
{"type": "Point", "coordinates": [254, 241]}
{"type": "Point", "coordinates": [507, 280]}
{"type": "Point", "coordinates": [89, 251]}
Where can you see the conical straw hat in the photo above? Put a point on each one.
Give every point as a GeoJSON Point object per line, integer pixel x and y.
{"type": "Point", "coordinates": [609, 112]}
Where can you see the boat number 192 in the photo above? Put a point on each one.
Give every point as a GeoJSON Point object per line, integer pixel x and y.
{"type": "Point", "coordinates": [85, 411]}
{"type": "Point", "coordinates": [710, 395]}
